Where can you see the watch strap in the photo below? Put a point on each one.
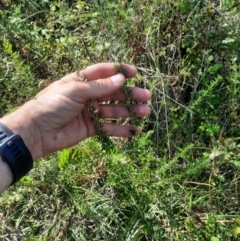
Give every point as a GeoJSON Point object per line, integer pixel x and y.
{"type": "Point", "coordinates": [15, 153]}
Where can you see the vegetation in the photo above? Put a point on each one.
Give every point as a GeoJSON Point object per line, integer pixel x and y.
{"type": "Point", "coordinates": [179, 180]}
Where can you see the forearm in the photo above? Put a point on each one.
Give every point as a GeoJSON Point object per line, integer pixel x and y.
{"type": "Point", "coordinates": [22, 123]}
{"type": "Point", "coordinates": [19, 123]}
{"type": "Point", "coordinates": [6, 176]}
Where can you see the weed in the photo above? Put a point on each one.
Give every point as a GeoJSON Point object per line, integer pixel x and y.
{"type": "Point", "coordinates": [179, 180]}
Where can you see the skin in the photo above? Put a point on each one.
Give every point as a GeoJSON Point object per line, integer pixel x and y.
{"type": "Point", "coordinates": [58, 116]}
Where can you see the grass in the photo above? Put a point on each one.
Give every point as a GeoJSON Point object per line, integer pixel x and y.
{"type": "Point", "coordinates": [179, 180]}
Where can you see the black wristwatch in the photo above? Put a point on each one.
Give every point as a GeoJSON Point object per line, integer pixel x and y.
{"type": "Point", "coordinates": [15, 153]}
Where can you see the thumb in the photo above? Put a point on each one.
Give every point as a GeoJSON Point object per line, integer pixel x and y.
{"type": "Point", "coordinates": [102, 87]}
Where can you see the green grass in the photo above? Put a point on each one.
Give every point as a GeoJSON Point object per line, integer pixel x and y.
{"type": "Point", "coordinates": [179, 180]}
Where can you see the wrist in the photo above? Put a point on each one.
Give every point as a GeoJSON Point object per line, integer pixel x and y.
{"type": "Point", "coordinates": [20, 122]}
{"type": "Point", "coordinates": [6, 176]}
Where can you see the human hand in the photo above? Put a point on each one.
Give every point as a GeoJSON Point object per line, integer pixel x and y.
{"type": "Point", "coordinates": [59, 117]}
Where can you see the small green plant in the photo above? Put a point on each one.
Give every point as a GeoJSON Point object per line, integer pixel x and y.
{"type": "Point", "coordinates": [22, 79]}
{"type": "Point", "coordinates": [179, 180]}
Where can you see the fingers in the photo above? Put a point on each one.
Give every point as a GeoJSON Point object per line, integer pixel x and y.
{"type": "Point", "coordinates": [121, 111]}
{"type": "Point", "coordinates": [98, 88]}
{"type": "Point", "coordinates": [121, 131]}
{"type": "Point", "coordinates": [106, 70]}
{"type": "Point", "coordinates": [117, 111]}
{"type": "Point", "coordinates": [136, 93]}
{"type": "Point", "coordinates": [109, 129]}
{"type": "Point", "coordinates": [101, 71]}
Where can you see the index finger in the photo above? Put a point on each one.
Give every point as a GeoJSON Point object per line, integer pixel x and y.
{"type": "Point", "coordinates": [101, 71]}
{"type": "Point", "coordinates": [106, 70]}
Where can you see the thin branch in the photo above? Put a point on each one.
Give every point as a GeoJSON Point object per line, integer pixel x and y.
{"type": "Point", "coordinates": [221, 14]}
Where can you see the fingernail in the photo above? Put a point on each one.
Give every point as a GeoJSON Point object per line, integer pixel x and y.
{"type": "Point", "coordinates": [118, 79]}
{"type": "Point", "coordinates": [136, 131]}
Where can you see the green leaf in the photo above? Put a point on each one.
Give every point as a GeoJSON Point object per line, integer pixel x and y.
{"type": "Point", "coordinates": [214, 239]}
{"type": "Point", "coordinates": [80, 4]}
{"type": "Point", "coordinates": [210, 58]}
{"type": "Point", "coordinates": [31, 239]}
{"type": "Point", "coordinates": [237, 165]}
{"type": "Point", "coordinates": [228, 40]}
{"type": "Point", "coordinates": [213, 69]}
{"type": "Point", "coordinates": [63, 158]}
{"type": "Point", "coordinates": [26, 179]}
{"type": "Point", "coordinates": [212, 219]}
{"type": "Point", "coordinates": [237, 221]}
{"type": "Point", "coordinates": [236, 230]}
